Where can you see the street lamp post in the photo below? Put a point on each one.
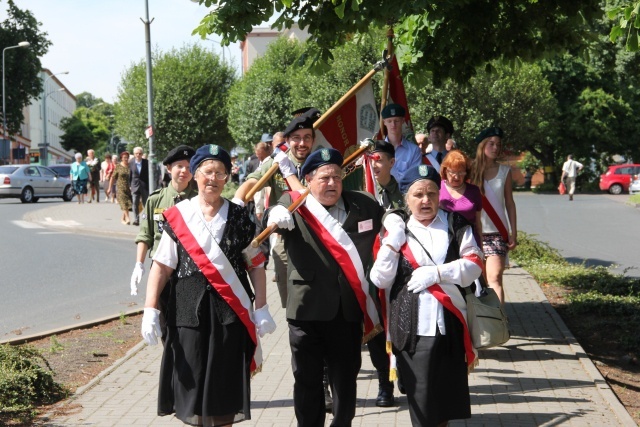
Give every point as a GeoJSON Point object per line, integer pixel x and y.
{"type": "Point", "coordinates": [4, 108]}
{"type": "Point", "coordinates": [45, 144]}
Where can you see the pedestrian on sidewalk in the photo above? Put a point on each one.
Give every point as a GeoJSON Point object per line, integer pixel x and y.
{"type": "Point", "coordinates": [499, 221]}
{"type": "Point", "coordinates": [139, 182]}
{"type": "Point", "coordinates": [80, 175]}
{"type": "Point", "coordinates": [422, 264]}
{"type": "Point", "coordinates": [120, 179]}
{"type": "Point", "coordinates": [323, 312]}
{"type": "Point", "coordinates": [151, 226]}
{"type": "Point", "coordinates": [106, 170]}
{"type": "Point", "coordinates": [94, 166]}
{"type": "Point", "coordinates": [211, 341]}
{"type": "Point", "coordinates": [570, 170]}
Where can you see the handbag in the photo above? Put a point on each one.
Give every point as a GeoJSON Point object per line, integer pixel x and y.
{"type": "Point", "coordinates": [562, 189]}
{"type": "Point", "coordinates": [487, 321]}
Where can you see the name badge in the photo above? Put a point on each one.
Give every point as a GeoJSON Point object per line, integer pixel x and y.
{"type": "Point", "coordinates": [365, 226]}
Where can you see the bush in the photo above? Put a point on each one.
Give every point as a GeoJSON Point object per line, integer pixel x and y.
{"type": "Point", "coordinates": [26, 380]}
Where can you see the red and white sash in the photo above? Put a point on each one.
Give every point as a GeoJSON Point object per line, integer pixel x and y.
{"type": "Point", "coordinates": [450, 297]}
{"type": "Point", "coordinates": [188, 224]}
{"type": "Point", "coordinates": [492, 206]}
{"type": "Point", "coordinates": [345, 253]}
{"type": "Point", "coordinates": [430, 159]}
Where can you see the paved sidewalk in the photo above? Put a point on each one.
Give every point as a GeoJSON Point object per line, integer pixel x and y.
{"type": "Point", "coordinates": [542, 377]}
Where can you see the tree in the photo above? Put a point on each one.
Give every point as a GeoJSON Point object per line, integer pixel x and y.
{"type": "Point", "coordinates": [77, 135]}
{"type": "Point", "coordinates": [22, 73]}
{"type": "Point", "coordinates": [190, 90]}
{"type": "Point", "coordinates": [435, 39]}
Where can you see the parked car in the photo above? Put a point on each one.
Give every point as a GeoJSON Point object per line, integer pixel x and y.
{"type": "Point", "coordinates": [617, 178]}
{"type": "Point", "coordinates": [63, 171]}
{"type": "Point", "coordinates": [31, 182]}
{"type": "Point", "coordinates": [634, 187]}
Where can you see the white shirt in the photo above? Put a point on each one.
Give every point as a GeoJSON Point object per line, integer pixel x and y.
{"type": "Point", "coordinates": [570, 168]}
{"type": "Point", "coordinates": [435, 238]}
{"type": "Point", "coordinates": [167, 252]}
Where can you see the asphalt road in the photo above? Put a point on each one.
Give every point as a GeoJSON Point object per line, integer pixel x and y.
{"type": "Point", "coordinates": [52, 279]}
{"type": "Point", "coordinates": [598, 229]}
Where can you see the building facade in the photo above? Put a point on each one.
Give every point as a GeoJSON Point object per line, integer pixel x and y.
{"type": "Point", "coordinates": [256, 43]}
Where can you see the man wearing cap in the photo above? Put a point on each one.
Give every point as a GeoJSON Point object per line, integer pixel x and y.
{"type": "Point", "coordinates": [407, 153]}
{"type": "Point", "coordinates": [177, 164]}
{"type": "Point", "coordinates": [388, 195]}
{"type": "Point", "coordinates": [440, 129]}
{"type": "Point", "coordinates": [299, 136]}
{"type": "Point", "coordinates": [328, 241]}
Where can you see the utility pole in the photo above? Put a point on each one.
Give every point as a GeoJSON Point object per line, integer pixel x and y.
{"type": "Point", "coordinates": [152, 154]}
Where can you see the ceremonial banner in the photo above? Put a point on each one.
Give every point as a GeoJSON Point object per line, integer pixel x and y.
{"type": "Point", "coordinates": [351, 123]}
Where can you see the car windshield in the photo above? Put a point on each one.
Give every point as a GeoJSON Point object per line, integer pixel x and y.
{"type": "Point", "coordinates": [8, 170]}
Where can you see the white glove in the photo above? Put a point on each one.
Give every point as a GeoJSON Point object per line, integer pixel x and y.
{"type": "Point", "coordinates": [238, 202]}
{"type": "Point", "coordinates": [395, 227]}
{"type": "Point", "coordinates": [422, 278]}
{"type": "Point", "coordinates": [263, 320]}
{"type": "Point", "coordinates": [285, 164]}
{"type": "Point", "coordinates": [282, 217]}
{"type": "Point", "coordinates": [136, 277]}
{"type": "Point", "coordinates": [151, 326]}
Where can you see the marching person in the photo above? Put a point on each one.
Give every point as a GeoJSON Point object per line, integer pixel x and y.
{"type": "Point", "coordinates": [389, 197]}
{"type": "Point", "coordinates": [139, 182]}
{"type": "Point", "coordinates": [179, 188]}
{"type": "Point", "coordinates": [211, 342]}
{"type": "Point", "coordinates": [407, 153]}
{"type": "Point", "coordinates": [499, 227]}
{"type": "Point", "coordinates": [328, 241]}
{"type": "Point", "coordinates": [422, 263]}
{"type": "Point", "coordinates": [439, 129]}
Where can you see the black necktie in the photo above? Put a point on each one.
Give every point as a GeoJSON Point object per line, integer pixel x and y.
{"type": "Point", "coordinates": [386, 201]}
{"type": "Point", "coordinates": [298, 172]}
{"type": "Point", "coordinates": [439, 157]}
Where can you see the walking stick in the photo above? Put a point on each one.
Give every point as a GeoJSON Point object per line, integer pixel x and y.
{"type": "Point", "coordinates": [273, 227]}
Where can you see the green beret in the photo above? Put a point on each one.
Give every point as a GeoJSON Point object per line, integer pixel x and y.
{"type": "Point", "coordinates": [489, 132]}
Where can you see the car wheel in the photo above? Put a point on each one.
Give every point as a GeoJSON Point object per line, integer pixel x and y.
{"type": "Point", "coordinates": [615, 189]}
{"type": "Point", "coordinates": [68, 193]}
{"type": "Point", "coordinates": [27, 195]}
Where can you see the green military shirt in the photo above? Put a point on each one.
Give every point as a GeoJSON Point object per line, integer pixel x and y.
{"type": "Point", "coordinates": [276, 182]}
{"type": "Point", "coordinates": [390, 196]}
{"type": "Point", "coordinates": [152, 221]}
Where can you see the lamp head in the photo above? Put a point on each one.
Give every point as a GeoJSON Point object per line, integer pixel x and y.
{"type": "Point", "coordinates": [24, 44]}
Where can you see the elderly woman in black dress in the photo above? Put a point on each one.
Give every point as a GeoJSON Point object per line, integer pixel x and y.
{"type": "Point", "coordinates": [211, 347]}
{"type": "Point", "coordinates": [424, 262]}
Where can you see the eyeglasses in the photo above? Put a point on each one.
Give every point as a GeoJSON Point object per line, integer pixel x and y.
{"type": "Point", "coordinates": [456, 174]}
{"type": "Point", "coordinates": [297, 139]}
{"type": "Point", "coordinates": [214, 175]}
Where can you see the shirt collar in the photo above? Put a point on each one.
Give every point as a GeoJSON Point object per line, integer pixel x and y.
{"type": "Point", "coordinates": [441, 217]}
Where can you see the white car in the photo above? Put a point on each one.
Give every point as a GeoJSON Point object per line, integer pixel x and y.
{"type": "Point", "coordinates": [634, 187]}
{"type": "Point", "coordinates": [31, 182]}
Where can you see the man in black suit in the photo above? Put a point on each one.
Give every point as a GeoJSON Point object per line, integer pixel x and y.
{"type": "Point", "coordinates": [328, 241]}
{"type": "Point", "coordinates": [138, 181]}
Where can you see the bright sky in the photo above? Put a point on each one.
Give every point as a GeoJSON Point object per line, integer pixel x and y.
{"type": "Point", "coordinates": [96, 40]}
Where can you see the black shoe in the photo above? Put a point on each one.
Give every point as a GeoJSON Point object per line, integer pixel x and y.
{"type": "Point", "coordinates": [385, 398]}
{"type": "Point", "coordinates": [136, 223]}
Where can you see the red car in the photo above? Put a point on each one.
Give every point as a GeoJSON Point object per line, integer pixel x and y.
{"type": "Point", "coordinates": [617, 178]}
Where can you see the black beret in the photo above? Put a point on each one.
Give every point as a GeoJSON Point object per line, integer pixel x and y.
{"type": "Point", "coordinates": [393, 110]}
{"type": "Point", "coordinates": [489, 132]}
{"type": "Point", "coordinates": [418, 173]}
{"type": "Point", "coordinates": [210, 152]}
{"type": "Point", "coordinates": [321, 157]}
{"type": "Point", "coordinates": [181, 152]}
{"type": "Point", "coordinates": [311, 112]}
{"type": "Point", "coordinates": [384, 147]}
{"type": "Point", "coordinates": [441, 121]}
{"type": "Point", "coordinates": [300, 122]}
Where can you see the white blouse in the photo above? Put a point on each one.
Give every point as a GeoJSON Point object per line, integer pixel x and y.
{"type": "Point", "coordinates": [167, 252]}
{"type": "Point", "coordinates": [435, 239]}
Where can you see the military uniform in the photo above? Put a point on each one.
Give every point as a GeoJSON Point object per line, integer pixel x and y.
{"type": "Point", "coordinates": [152, 221]}
{"type": "Point", "coordinates": [390, 196]}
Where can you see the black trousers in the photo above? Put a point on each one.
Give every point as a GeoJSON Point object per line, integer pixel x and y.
{"type": "Point", "coordinates": [336, 342]}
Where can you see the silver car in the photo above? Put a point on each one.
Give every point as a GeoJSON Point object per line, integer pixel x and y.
{"type": "Point", "coordinates": [31, 182]}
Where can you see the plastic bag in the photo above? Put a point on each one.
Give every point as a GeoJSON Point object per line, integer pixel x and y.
{"type": "Point", "coordinates": [562, 189]}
